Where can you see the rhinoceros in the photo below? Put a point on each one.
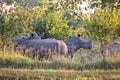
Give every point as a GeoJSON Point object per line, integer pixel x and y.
{"type": "Point", "coordinates": [114, 46]}
{"type": "Point", "coordinates": [76, 42]}
{"type": "Point", "coordinates": [43, 48]}
{"type": "Point", "coordinates": [51, 46]}
{"type": "Point", "coordinates": [19, 40]}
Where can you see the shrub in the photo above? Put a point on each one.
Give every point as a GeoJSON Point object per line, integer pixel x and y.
{"type": "Point", "coordinates": [103, 24]}
{"type": "Point", "coordinates": [53, 25]}
{"type": "Point", "coordinates": [12, 24]}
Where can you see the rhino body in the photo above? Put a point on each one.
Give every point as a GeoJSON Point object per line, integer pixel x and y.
{"type": "Point", "coordinates": [43, 48]}
{"type": "Point", "coordinates": [75, 43]}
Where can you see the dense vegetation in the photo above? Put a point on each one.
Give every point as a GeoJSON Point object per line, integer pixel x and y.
{"type": "Point", "coordinates": [79, 62]}
{"type": "Point", "coordinates": [16, 66]}
{"type": "Point", "coordinates": [26, 74]}
{"type": "Point", "coordinates": [60, 20]}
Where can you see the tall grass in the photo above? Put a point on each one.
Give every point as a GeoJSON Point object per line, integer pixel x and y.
{"type": "Point", "coordinates": [79, 62]}
{"type": "Point", "coordinates": [85, 65]}
{"type": "Point", "coordinates": [27, 74]}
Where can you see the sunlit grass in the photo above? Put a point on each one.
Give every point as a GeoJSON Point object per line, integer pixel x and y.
{"type": "Point", "coordinates": [79, 62]}
{"type": "Point", "coordinates": [84, 66]}
{"type": "Point", "coordinates": [59, 74]}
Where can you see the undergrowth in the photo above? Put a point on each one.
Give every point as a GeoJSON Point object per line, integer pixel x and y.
{"type": "Point", "coordinates": [79, 62]}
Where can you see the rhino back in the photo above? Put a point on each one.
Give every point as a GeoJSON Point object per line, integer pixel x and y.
{"type": "Point", "coordinates": [47, 46]}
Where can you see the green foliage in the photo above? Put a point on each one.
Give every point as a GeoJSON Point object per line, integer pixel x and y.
{"type": "Point", "coordinates": [111, 3]}
{"type": "Point", "coordinates": [118, 31]}
{"type": "Point", "coordinates": [53, 25]}
{"type": "Point", "coordinates": [29, 3]}
{"type": "Point", "coordinates": [23, 19]}
{"type": "Point", "coordinates": [13, 24]}
{"type": "Point", "coordinates": [72, 19]}
{"type": "Point", "coordinates": [25, 3]}
{"type": "Point", "coordinates": [103, 24]}
{"type": "Point", "coordinates": [7, 1]}
{"type": "Point", "coordinates": [56, 24]}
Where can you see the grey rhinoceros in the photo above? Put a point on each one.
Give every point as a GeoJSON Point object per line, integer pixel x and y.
{"type": "Point", "coordinates": [76, 42]}
{"type": "Point", "coordinates": [43, 48]}
{"type": "Point", "coordinates": [114, 46]}
{"type": "Point", "coordinates": [49, 47]}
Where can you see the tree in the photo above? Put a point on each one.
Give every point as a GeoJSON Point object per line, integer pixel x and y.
{"type": "Point", "coordinates": [12, 24]}
{"type": "Point", "coordinates": [53, 25]}
{"type": "Point", "coordinates": [103, 24]}
{"type": "Point", "coordinates": [111, 3]}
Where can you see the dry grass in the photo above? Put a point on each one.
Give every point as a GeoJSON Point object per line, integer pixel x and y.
{"type": "Point", "coordinates": [80, 62]}
{"type": "Point", "coordinates": [84, 66]}
{"type": "Point", "coordinates": [59, 74]}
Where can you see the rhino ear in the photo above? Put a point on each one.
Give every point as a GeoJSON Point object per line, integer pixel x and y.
{"type": "Point", "coordinates": [32, 35]}
{"type": "Point", "coordinates": [78, 35]}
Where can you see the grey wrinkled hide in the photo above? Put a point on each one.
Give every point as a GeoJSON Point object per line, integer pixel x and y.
{"type": "Point", "coordinates": [46, 48]}
{"type": "Point", "coordinates": [41, 48]}
{"type": "Point", "coordinates": [19, 40]}
{"type": "Point", "coordinates": [35, 45]}
{"type": "Point", "coordinates": [114, 46]}
{"type": "Point", "coordinates": [76, 42]}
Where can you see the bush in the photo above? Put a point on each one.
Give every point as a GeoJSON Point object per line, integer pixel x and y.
{"type": "Point", "coordinates": [13, 24]}
{"type": "Point", "coordinates": [53, 25]}
{"type": "Point", "coordinates": [103, 24]}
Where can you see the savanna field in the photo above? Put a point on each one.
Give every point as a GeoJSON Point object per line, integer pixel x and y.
{"type": "Point", "coordinates": [15, 66]}
{"type": "Point", "coordinates": [87, 34]}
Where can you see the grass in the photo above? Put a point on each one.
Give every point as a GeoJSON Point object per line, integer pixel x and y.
{"type": "Point", "coordinates": [84, 66]}
{"type": "Point", "coordinates": [82, 63]}
{"type": "Point", "coordinates": [28, 74]}
{"type": "Point", "coordinates": [19, 61]}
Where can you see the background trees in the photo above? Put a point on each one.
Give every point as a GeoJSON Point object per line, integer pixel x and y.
{"type": "Point", "coordinates": [53, 26]}
{"type": "Point", "coordinates": [103, 25]}
{"type": "Point", "coordinates": [13, 23]}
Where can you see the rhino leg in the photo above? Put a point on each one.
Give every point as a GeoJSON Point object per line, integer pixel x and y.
{"type": "Point", "coordinates": [71, 56]}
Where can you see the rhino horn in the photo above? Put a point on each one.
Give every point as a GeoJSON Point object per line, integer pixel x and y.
{"type": "Point", "coordinates": [89, 44]}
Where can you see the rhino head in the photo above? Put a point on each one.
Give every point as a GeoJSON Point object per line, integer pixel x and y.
{"type": "Point", "coordinates": [19, 40]}
{"type": "Point", "coordinates": [82, 43]}
{"type": "Point", "coordinates": [77, 42]}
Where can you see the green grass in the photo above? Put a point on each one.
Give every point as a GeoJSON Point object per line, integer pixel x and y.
{"type": "Point", "coordinates": [84, 66]}
{"type": "Point", "coordinates": [38, 74]}
{"type": "Point", "coordinates": [18, 61]}
{"type": "Point", "coordinates": [21, 62]}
